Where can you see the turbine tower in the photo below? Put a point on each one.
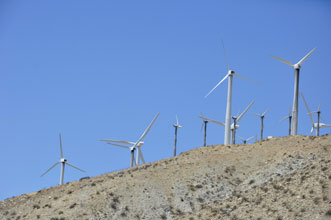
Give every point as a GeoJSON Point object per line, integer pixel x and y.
{"type": "Point", "coordinates": [262, 117]}
{"type": "Point", "coordinates": [134, 145]}
{"type": "Point", "coordinates": [204, 125]}
{"type": "Point", "coordinates": [297, 68]}
{"type": "Point", "coordinates": [317, 125]}
{"type": "Point", "coordinates": [63, 162]}
{"type": "Point", "coordinates": [176, 128]}
{"type": "Point", "coordinates": [245, 140]}
{"type": "Point", "coordinates": [229, 76]}
{"type": "Point", "coordinates": [289, 117]}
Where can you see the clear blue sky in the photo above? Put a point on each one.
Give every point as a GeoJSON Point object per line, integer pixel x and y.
{"type": "Point", "coordinates": [103, 69]}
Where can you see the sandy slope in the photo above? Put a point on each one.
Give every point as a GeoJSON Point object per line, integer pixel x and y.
{"type": "Point", "coordinates": [282, 178]}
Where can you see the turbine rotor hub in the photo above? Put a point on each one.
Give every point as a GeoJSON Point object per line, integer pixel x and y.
{"type": "Point", "coordinates": [297, 66]}
{"type": "Point", "coordinates": [63, 160]}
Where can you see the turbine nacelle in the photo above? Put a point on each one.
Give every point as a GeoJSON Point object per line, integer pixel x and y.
{"type": "Point", "coordinates": [63, 160]}
{"type": "Point", "coordinates": [232, 126]}
{"type": "Point", "coordinates": [297, 66]}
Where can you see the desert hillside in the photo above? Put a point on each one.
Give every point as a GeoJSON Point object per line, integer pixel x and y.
{"type": "Point", "coordinates": [280, 178]}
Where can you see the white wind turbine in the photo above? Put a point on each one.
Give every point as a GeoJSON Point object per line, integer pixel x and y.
{"type": "Point", "coordinates": [134, 145]}
{"type": "Point", "coordinates": [177, 125]}
{"type": "Point", "coordinates": [245, 140]}
{"type": "Point", "coordinates": [228, 76]}
{"type": "Point", "coordinates": [262, 117]}
{"type": "Point", "coordinates": [236, 119]}
{"type": "Point", "coordinates": [289, 117]}
{"type": "Point", "coordinates": [63, 162]}
{"type": "Point", "coordinates": [317, 125]}
{"type": "Point", "coordinates": [297, 68]}
{"type": "Point", "coordinates": [233, 126]}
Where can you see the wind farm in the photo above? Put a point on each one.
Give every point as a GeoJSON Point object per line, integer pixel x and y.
{"type": "Point", "coordinates": [103, 70]}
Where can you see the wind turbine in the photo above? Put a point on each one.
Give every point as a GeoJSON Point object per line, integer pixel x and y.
{"type": "Point", "coordinates": [176, 128]}
{"type": "Point", "coordinates": [262, 117]}
{"type": "Point", "coordinates": [204, 125]}
{"type": "Point", "coordinates": [317, 125]}
{"type": "Point", "coordinates": [134, 145]}
{"type": "Point", "coordinates": [228, 76]}
{"type": "Point", "coordinates": [245, 140]}
{"type": "Point", "coordinates": [297, 68]}
{"type": "Point", "coordinates": [289, 117]}
{"type": "Point", "coordinates": [233, 126]}
{"type": "Point", "coordinates": [63, 162]}
{"type": "Point", "coordinates": [236, 119]}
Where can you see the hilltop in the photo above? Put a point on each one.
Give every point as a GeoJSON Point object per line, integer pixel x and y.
{"type": "Point", "coordinates": [280, 178]}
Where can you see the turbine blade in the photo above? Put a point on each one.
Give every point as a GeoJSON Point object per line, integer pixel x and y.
{"type": "Point", "coordinates": [325, 126]}
{"type": "Point", "coordinates": [226, 76]}
{"type": "Point", "coordinates": [322, 119]}
{"type": "Point", "coordinates": [250, 138]}
{"type": "Point", "coordinates": [61, 146]}
{"type": "Point", "coordinates": [75, 167]}
{"type": "Point", "coordinates": [305, 57]}
{"type": "Point", "coordinates": [244, 112]}
{"type": "Point", "coordinates": [289, 112]}
{"type": "Point", "coordinates": [146, 131]}
{"type": "Point", "coordinates": [118, 145]}
{"type": "Point", "coordinates": [282, 60]}
{"type": "Point", "coordinates": [311, 117]}
{"type": "Point", "coordinates": [211, 120]}
{"type": "Point", "coordinates": [202, 125]}
{"type": "Point", "coordinates": [284, 118]}
{"type": "Point", "coordinates": [118, 141]}
{"type": "Point", "coordinates": [141, 155]}
{"type": "Point", "coordinates": [226, 58]}
{"type": "Point", "coordinates": [241, 138]}
{"type": "Point", "coordinates": [258, 115]}
{"type": "Point", "coordinates": [319, 107]}
{"type": "Point", "coordinates": [311, 131]}
{"type": "Point", "coordinates": [264, 113]}
{"type": "Point", "coordinates": [244, 78]}
{"type": "Point", "coordinates": [177, 120]}
{"type": "Point", "coordinates": [50, 169]}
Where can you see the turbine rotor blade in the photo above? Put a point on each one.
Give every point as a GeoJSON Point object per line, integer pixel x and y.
{"type": "Point", "coordinates": [311, 117]}
{"type": "Point", "coordinates": [146, 131]}
{"type": "Point", "coordinates": [244, 112]}
{"type": "Point", "coordinates": [240, 138]}
{"type": "Point", "coordinates": [243, 77]}
{"type": "Point", "coordinates": [311, 131]}
{"type": "Point", "coordinates": [141, 155]}
{"type": "Point", "coordinates": [50, 169]}
{"type": "Point", "coordinates": [61, 145]}
{"type": "Point", "coordinates": [226, 76]}
{"type": "Point", "coordinates": [258, 115]}
{"type": "Point", "coordinates": [75, 167]}
{"type": "Point", "coordinates": [319, 107]}
{"type": "Point", "coordinates": [305, 57]}
{"type": "Point", "coordinates": [226, 58]}
{"type": "Point", "coordinates": [118, 141]}
{"type": "Point", "coordinates": [284, 118]}
{"type": "Point", "coordinates": [118, 145]}
{"type": "Point", "coordinates": [282, 60]}
{"type": "Point", "coordinates": [265, 112]}
{"type": "Point", "coordinates": [211, 120]}
{"type": "Point", "coordinates": [177, 120]}
{"type": "Point", "coordinates": [250, 138]}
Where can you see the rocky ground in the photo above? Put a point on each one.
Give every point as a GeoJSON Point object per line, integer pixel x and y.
{"type": "Point", "coordinates": [280, 178]}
